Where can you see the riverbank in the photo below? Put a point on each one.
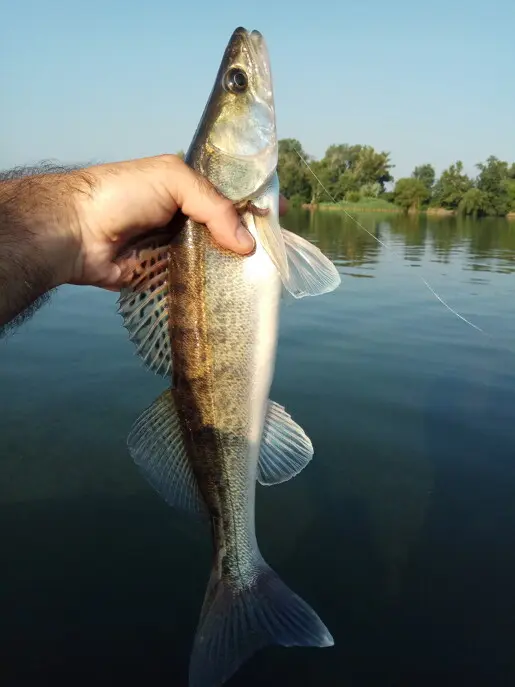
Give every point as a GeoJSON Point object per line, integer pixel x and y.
{"type": "Point", "coordinates": [383, 206]}
{"type": "Point", "coordinates": [369, 205]}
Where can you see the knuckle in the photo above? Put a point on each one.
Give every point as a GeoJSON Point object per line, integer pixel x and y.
{"type": "Point", "coordinates": [169, 158]}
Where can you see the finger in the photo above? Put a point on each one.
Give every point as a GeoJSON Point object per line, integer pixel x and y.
{"type": "Point", "coordinates": [199, 199]}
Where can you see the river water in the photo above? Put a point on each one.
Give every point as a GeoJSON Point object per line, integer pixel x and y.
{"type": "Point", "coordinates": [400, 532]}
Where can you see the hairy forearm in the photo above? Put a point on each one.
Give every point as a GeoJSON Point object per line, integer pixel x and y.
{"type": "Point", "coordinates": [36, 237]}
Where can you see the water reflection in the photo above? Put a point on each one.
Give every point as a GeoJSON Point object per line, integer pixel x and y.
{"type": "Point", "coordinates": [401, 468]}
{"type": "Point", "coordinates": [486, 245]}
{"type": "Point", "coordinates": [399, 532]}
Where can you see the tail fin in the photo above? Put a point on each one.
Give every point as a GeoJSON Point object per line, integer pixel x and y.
{"type": "Point", "coordinates": [235, 623]}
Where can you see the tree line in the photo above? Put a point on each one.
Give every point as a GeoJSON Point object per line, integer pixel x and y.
{"type": "Point", "coordinates": [354, 173]}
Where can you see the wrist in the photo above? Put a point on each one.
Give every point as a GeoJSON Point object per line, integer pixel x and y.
{"type": "Point", "coordinates": [41, 213]}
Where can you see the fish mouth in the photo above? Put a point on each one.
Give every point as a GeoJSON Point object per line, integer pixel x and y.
{"type": "Point", "coordinates": [258, 46]}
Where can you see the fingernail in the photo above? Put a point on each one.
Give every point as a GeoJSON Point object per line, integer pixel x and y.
{"type": "Point", "coordinates": [245, 239]}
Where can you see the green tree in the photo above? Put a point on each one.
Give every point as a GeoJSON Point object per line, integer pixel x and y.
{"type": "Point", "coordinates": [373, 167]}
{"type": "Point", "coordinates": [371, 190]}
{"type": "Point", "coordinates": [293, 174]}
{"type": "Point", "coordinates": [358, 171]}
{"type": "Point", "coordinates": [474, 202]}
{"type": "Point", "coordinates": [348, 168]}
{"type": "Point", "coordinates": [320, 180]}
{"type": "Point", "coordinates": [410, 193]}
{"type": "Point", "coordinates": [180, 153]}
{"type": "Point", "coordinates": [452, 186]}
{"type": "Point", "coordinates": [510, 187]}
{"type": "Point", "coordinates": [493, 181]}
{"type": "Point", "coordinates": [426, 174]}
{"type": "Point", "coordinates": [338, 164]}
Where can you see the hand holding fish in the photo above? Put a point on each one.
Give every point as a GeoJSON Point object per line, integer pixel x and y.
{"type": "Point", "coordinates": [68, 226]}
{"type": "Point", "coordinates": [127, 199]}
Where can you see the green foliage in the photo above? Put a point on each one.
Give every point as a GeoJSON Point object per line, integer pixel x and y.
{"type": "Point", "coordinates": [426, 174]}
{"type": "Point", "coordinates": [410, 193]}
{"type": "Point", "coordinates": [510, 188]}
{"type": "Point", "coordinates": [388, 196]}
{"type": "Point", "coordinates": [180, 153]}
{"type": "Point", "coordinates": [451, 187]}
{"type": "Point", "coordinates": [474, 202]}
{"type": "Point", "coordinates": [293, 174]}
{"type": "Point", "coordinates": [296, 200]}
{"type": "Point", "coordinates": [493, 180]}
{"type": "Point", "coordinates": [371, 190]}
{"type": "Point", "coordinates": [359, 173]}
{"type": "Point", "coordinates": [349, 168]}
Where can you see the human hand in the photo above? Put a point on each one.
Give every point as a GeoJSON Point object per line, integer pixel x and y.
{"type": "Point", "coordinates": [119, 201]}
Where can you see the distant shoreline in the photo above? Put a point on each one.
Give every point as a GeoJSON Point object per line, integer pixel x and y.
{"type": "Point", "coordinates": [350, 208]}
{"type": "Point", "coordinates": [385, 209]}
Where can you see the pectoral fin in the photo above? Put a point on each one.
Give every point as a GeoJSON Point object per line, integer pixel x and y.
{"type": "Point", "coordinates": [285, 447]}
{"type": "Point", "coordinates": [304, 269]}
{"type": "Point", "coordinates": [271, 236]}
{"type": "Point", "coordinates": [310, 273]}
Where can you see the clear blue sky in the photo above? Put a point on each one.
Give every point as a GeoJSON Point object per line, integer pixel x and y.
{"type": "Point", "coordinates": [105, 79]}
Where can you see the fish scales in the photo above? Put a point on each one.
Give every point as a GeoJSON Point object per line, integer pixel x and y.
{"type": "Point", "coordinates": [222, 351]}
{"type": "Point", "coordinates": [207, 320]}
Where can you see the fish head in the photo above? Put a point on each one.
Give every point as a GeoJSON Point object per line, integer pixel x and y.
{"type": "Point", "coordinates": [235, 145]}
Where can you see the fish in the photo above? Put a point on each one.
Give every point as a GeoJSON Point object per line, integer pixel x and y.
{"type": "Point", "coordinates": [206, 319]}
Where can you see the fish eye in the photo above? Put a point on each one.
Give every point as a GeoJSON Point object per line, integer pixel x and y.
{"type": "Point", "coordinates": [236, 80]}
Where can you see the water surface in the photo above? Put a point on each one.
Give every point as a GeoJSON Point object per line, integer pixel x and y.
{"type": "Point", "coordinates": [400, 533]}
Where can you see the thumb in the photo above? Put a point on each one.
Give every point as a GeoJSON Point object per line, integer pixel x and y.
{"type": "Point", "coordinates": [200, 200]}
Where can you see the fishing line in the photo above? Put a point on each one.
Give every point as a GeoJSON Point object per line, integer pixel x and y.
{"type": "Point", "coordinates": [389, 248]}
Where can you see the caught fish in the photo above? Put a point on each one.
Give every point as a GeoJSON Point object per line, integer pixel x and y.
{"type": "Point", "coordinates": [207, 320]}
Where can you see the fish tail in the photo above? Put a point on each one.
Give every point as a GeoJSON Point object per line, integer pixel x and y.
{"type": "Point", "coordinates": [237, 622]}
